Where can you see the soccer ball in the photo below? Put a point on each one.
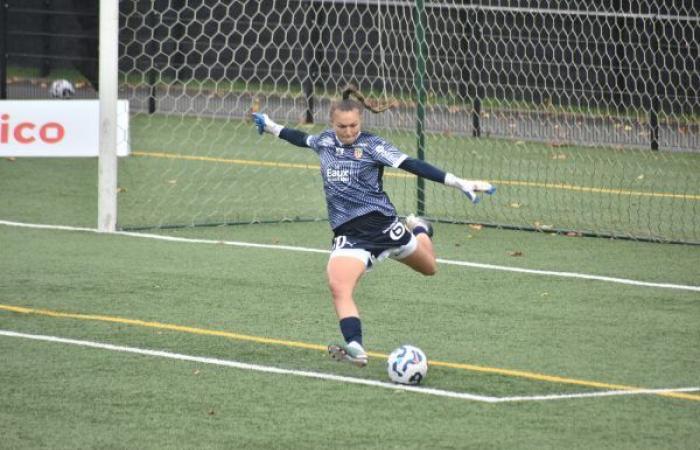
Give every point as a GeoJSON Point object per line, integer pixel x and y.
{"type": "Point", "coordinates": [62, 89]}
{"type": "Point", "coordinates": [407, 365]}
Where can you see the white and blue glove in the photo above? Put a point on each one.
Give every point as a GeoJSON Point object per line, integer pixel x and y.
{"type": "Point", "coordinates": [265, 124]}
{"type": "Point", "coordinates": [470, 188]}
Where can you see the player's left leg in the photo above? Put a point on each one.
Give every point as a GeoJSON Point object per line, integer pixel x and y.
{"type": "Point", "coordinates": [343, 274]}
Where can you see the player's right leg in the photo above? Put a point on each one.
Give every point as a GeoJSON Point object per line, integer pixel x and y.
{"type": "Point", "coordinates": [423, 258]}
{"type": "Point", "coordinates": [343, 274]}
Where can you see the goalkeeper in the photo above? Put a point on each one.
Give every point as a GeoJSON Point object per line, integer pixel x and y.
{"type": "Point", "coordinates": [364, 221]}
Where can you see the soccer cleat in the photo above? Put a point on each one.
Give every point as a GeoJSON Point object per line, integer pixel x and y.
{"type": "Point", "coordinates": [413, 222]}
{"type": "Point", "coordinates": [352, 353]}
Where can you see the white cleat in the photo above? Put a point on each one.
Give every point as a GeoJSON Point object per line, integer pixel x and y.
{"type": "Point", "coordinates": [352, 353]}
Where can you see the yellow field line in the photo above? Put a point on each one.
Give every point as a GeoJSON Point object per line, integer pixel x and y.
{"type": "Point", "coordinates": [296, 344]}
{"type": "Point", "coordinates": [571, 187]}
{"type": "Point", "coordinates": [283, 165]}
{"type": "Point", "coordinates": [245, 162]}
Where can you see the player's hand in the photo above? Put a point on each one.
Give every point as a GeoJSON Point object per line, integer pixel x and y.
{"type": "Point", "coordinates": [470, 188]}
{"type": "Point", "coordinates": [265, 124]}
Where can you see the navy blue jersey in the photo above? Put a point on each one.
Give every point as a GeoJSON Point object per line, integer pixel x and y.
{"type": "Point", "coordinates": [352, 174]}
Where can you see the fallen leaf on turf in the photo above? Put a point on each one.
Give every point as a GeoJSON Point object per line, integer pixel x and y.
{"type": "Point", "coordinates": [515, 253]}
{"type": "Point", "coordinates": [515, 205]}
{"type": "Point", "coordinates": [476, 226]}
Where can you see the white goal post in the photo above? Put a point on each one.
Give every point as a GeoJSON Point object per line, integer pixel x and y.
{"type": "Point", "coordinates": [107, 161]}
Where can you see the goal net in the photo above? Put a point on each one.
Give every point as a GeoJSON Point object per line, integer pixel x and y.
{"type": "Point", "coordinates": [586, 117]}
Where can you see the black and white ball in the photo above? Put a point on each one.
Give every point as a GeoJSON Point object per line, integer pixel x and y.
{"type": "Point", "coordinates": [62, 89]}
{"type": "Point", "coordinates": [407, 365]}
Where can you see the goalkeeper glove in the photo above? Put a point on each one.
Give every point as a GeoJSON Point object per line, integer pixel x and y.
{"type": "Point", "coordinates": [470, 187]}
{"type": "Point", "coordinates": [264, 123]}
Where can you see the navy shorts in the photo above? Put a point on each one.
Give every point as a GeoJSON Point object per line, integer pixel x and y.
{"type": "Point", "coordinates": [372, 238]}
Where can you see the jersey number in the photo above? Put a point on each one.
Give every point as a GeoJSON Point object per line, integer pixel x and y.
{"type": "Point", "coordinates": [339, 242]}
{"type": "Point", "coordinates": [397, 231]}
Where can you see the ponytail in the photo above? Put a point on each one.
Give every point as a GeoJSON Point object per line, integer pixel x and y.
{"type": "Point", "coordinates": [348, 104]}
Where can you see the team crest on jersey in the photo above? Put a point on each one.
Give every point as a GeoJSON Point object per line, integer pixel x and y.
{"type": "Point", "coordinates": [358, 153]}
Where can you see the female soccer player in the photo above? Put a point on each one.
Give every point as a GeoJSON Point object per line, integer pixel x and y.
{"type": "Point", "coordinates": [365, 224]}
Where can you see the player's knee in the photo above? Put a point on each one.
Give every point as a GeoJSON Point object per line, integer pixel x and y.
{"type": "Point", "coordinates": [430, 269]}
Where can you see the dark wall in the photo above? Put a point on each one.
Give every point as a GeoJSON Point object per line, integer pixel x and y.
{"type": "Point", "coordinates": [53, 34]}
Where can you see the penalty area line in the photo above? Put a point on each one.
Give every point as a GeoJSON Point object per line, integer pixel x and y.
{"type": "Point", "coordinates": [328, 376]}
{"type": "Point", "coordinates": [581, 276]}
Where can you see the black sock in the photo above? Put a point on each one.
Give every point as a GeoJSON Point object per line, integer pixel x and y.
{"type": "Point", "coordinates": [351, 327]}
{"type": "Point", "coordinates": [420, 229]}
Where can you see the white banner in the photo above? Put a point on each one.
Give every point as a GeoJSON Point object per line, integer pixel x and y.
{"type": "Point", "coordinates": [57, 128]}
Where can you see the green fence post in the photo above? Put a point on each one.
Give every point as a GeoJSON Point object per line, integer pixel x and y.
{"type": "Point", "coordinates": [152, 49]}
{"type": "Point", "coordinates": [421, 51]}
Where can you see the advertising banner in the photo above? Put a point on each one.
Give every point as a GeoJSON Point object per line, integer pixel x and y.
{"type": "Point", "coordinates": [57, 128]}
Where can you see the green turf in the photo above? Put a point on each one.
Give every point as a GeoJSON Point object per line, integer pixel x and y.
{"type": "Point", "coordinates": [49, 190]}
{"type": "Point", "coordinates": [61, 396]}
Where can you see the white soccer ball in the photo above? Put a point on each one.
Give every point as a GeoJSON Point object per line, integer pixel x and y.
{"type": "Point", "coordinates": [407, 365]}
{"type": "Point", "coordinates": [62, 89]}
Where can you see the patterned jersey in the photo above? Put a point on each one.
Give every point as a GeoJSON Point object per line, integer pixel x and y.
{"type": "Point", "coordinates": [352, 174]}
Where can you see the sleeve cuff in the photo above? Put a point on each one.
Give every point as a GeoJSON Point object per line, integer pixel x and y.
{"type": "Point", "coordinates": [399, 161]}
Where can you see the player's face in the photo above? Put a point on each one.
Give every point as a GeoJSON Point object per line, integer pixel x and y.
{"type": "Point", "coordinates": [346, 125]}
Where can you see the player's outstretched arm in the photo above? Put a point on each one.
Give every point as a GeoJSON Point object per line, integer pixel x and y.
{"type": "Point", "coordinates": [267, 125]}
{"type": "Point", "coordinates": [470, 188]}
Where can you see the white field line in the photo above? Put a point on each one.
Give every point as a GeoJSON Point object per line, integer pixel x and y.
{"type": "Point", "coordinates": [539, 398]}
{"type": "Point", "coordinates": [572, 275]}
{"type": "Point", "coordinates": [253, 367]}
{"type": "Point", "coordinates": [331, 377]}
{"type": "Point", "coordinates": [581, 276]}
